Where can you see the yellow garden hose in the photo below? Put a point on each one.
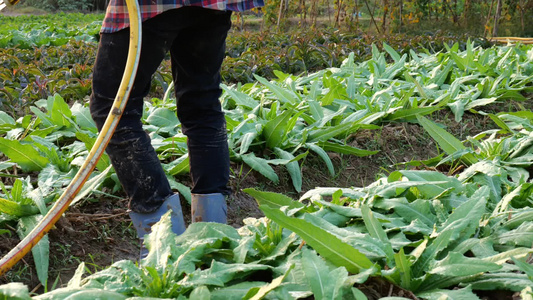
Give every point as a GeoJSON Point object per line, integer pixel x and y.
{"type": "Point", "coordinates": [97, 150]}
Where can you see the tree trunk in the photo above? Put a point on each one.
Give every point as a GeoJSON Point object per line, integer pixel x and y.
{"type": "Point", "coordinates": [488, 18]}
{"type": "Point", "coordinates": [454, 13]}
{"type": "Point", "coordinates": [385, 13]}
{"type": "Point", "coordinates": [329, 12]}
{"type": "Point", "coordinates": [311, 12]}
{"type": "Point", "coordinates": [354, 15]}
{"type": "Point", "coordinates": [303, 11]}
{"type": "Point", "coordinates": [455, 18]}
{"type": "Point", "coordinates": [338, 13]}
{"type": "Point", "coordinates": [401, 16]}
{"type": "Point", "coordinates": [523, 4]}
{"type": "Point", "coordinates": [357, 11]}
{"type": "Point", "coordinates": [497, 16]}
{"type": "Point", "coordinates": [466, 12]}
{"type": "Point", "coordinates": [280, 12]}
{"type": "Point", "coordinates": [372, 16]}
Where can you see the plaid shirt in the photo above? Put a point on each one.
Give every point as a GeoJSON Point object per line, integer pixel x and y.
{"type": "Point", "coordinates": [117, 13]}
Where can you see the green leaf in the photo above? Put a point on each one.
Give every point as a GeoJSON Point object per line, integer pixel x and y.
{"type": "Point", "coordinates": [14, 291]}
{"type": "Point", "coordinates": [325, 133]}
{"type": "Point", "coordinates": [524, 267]}
{"type": "Point", "coordinates": [345, 149]}
{"type": "Point", "coordinates": [337, 90]}
{"type": "Point", "coordinates": [89, 141]}
{"type": "Point", "coordinates": [395, 56]}
{"type": "Point", "coordinates": [459, 61]}
{"type": "Point", "coordinates": [419, 209]}
{"type": "Point", "coordinates": [503, 257]}
{"type": "Point", "coordinates": [437, 245]}
{"type": "Point", "coordinates": [16, 209]}
{"type": "Point", "coordinates": [325, 283]}
{"type": "Point", "coordinates": [260, 165]}
{"type": "Point", "coordinates": [220, 273]}
{"type": "Point", "coordinates": [164, 119]}
{"type": "Point", "coordinates": [411, 113]}
{"type": "Point", "coordinates": [178, 166]}
{"type": "Point", "coordinates": [246, 141]}
{"type": "Point", "coordinates": [23, 154]}
{"type": "Point", "coordinates": [284, 95]}
{"type": "Point", "coordinates": [81, 294]}
{"type": "Point", "coordinates": [41, 251]}
{"type": "Point", "coordinates": [376, 231]}
{"type": "Point", "coordinates": [326, 244]}
{"type": "Point", "coordinates": [395, 188]}
{"type": "Point", "coordinates": [369, 246]}
{"type": "Point", "coordinates": [160, 243]}
{"type": "Point", "coordinates": [322, 153]}
{"type": "Point", "coordinates": [446, 141]}
{"type": "Point", "coordinates": [264, 290]}
{"type": "Point", "coordinates": [460, 294]}
{"type": "Point", "coordinates": [521, 236]}
{"type": "Point", "coordinates": [240, 98]}
{"type": "Point", "coordinates": [358, 295]}
{"type": "Point", "coordinates": [209, 231]}
{"type": "Point", "coordinates": [6, 119]}
{"type": "Point", "coordinates": [403, 264]}
{"type": "Point", "coordinates": [91, 185]}
{"type": "Point", "coordinates": [431, 190]}
{"type": "Point", "coordinates": [184, 190]}
{"type": "Point", "coordinates": [200, 293]}
{"type": "Point", "coordinates": [273, 200]}
{"type": "Point", "coordinates": [75, 281]}
{"type": "Point", "coordinates": [511, 95]}
{"type": "Point", "coordinates": [455, 265]}
{"type": "Point", "coordinates": [293, 168]}
{"type": "Point", "coordinates": [60, 112]}
{"type": "Point", "coordinates": [83, 116]}
{"type": "Point", "coordinates": [465, 219]}
{"type": "Point", "coordinates": [236, 291]}
{"type": "Point", "coordinates": [500, 122]}
{"type": "Point", "coordinates": [501, 281]}
{"type": "Point", "coordinates": [440, 79]}
{"type": "Point", "coordinates": [420, 89]}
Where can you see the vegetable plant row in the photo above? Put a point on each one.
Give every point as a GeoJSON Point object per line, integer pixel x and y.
{"type": "Point", "coordinates": [432, 235]}
{"type": "Point", "coordinates": [27, 32]}
{"type": "Point", "coordinates": [44, 55]}
{"type": "Point", "coordinates": [416, 229]}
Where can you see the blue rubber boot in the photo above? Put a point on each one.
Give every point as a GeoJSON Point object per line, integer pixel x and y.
{"type": "Point", "coordinates": [143, 222]}
{"type": "Point", "coordinates": [209, 208]}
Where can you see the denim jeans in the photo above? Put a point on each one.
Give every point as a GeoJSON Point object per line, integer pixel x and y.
{"type": "Point", "coordinates": [195, 38]}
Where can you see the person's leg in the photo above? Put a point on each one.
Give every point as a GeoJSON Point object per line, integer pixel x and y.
{"type": "Point", "coordinates": [130, 150]}
{"type": "Point", "coordinates": [197, 54]}
{"type": "Point", "coordinates": [132, 155]}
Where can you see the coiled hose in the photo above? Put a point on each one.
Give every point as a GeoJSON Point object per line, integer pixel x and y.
{"type": "Point", "coordinates": [96, 152]}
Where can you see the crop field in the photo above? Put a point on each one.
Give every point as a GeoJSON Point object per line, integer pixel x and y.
{"type": "Point", "coordinates": [362, 167]}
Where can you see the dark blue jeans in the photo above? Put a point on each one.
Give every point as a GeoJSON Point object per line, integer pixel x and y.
{"type": "Point", "coordinates": [195, 38]}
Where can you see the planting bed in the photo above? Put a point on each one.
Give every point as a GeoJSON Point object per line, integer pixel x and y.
{"type": "Point", "coordinates": [384, 171]}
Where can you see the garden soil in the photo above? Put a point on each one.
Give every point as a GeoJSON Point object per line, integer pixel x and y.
{"type": "Point", "coordinates": [98, 231]}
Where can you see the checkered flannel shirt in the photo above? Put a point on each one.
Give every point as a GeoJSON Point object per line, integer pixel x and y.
{"type": "Point", "coordinates": [117, 13]}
